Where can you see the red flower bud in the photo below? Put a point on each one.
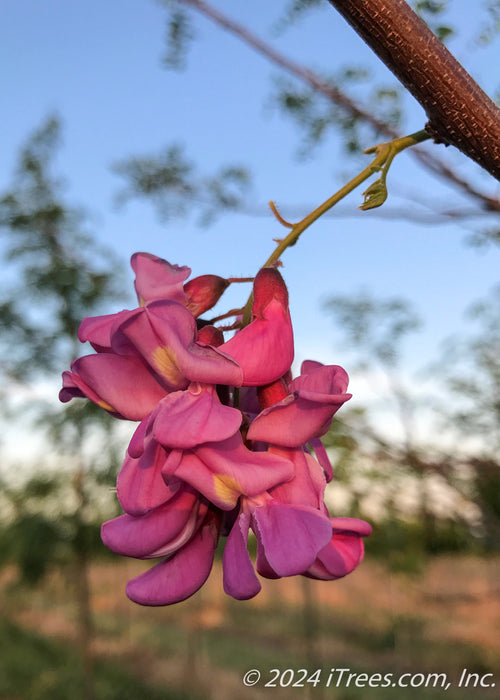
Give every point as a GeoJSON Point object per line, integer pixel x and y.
{"type": "Point", "coordinates": [211, 336]}
{"type": "Point", "coordinates": [204, 292]}
{"type": "Point", "coordinates": [268, 285]}
{"type": "Point", "coordinates": [272, 393]}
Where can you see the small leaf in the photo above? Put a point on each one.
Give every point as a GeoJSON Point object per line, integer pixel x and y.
{"type": "Point", "coordinates": [375, 195]}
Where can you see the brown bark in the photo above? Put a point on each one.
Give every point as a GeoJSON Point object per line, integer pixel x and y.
{"type": "Point", "coordinates": [459, 112]}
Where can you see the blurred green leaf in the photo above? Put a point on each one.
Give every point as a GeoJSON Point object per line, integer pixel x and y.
{"type": "Point", "coordinates": [179, 36]}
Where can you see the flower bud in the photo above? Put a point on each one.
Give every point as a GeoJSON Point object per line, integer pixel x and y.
{"type": "Point", "coordinates": [268, 285]}
{"type": "Point", "coordinates": [204, 292]}
{"type": "Point", "coordinates": [211, 336]}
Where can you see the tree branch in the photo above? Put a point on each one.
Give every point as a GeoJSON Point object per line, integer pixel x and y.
{"type": "Point", "coordinates": [459, 112]}
{"type": "Point", "coordinates": [340, 98]}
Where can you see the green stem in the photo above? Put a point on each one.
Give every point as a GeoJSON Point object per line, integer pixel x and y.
{"type": "Point", "coordinates": [384, 155]}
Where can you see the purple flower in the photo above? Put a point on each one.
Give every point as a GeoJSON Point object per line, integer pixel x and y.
{"type": "Point", "coordinates": [294, 532]}
{"type": "Point", "coordinates": [152, 351]}
{"type": "Point", "coordinates": [220, 448]}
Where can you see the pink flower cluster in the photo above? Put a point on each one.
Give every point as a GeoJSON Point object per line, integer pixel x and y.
{"type": "Point", "coordinates": [226, 438]}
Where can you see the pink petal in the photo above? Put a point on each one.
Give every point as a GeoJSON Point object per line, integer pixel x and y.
{"type": "Point", "coordinates": [71, 390]}
{"type": "Point", "coordinates": [344, 552]}
{"type": "Point", "coordinates": [158, 279]}
{"type": "Point", "coordinates": [189, 418]}
{"type": "Point", "coordinates": [262, 565]}
{"type": "Point", "coordinates": [196, 518]}
{"type": "Point", "coordinates": [235, 465]}
{"type": "Point", "coordinates": [307, 412]}
{"type": "Point", "coordinates": [164, 333]}
{"type": "Point", "coordinates": [199, 362]}
{"type": "Point", "coordinates": [322, 457]}
{"type": "Point", "coordinates": [352, 525]}
{"type": "Point", "coordinates": [136, 445]}
{"type": "Point", "coordinates": [97, 330]}
{"type": "Point", "coordinates": [291, 536]}
{"type": "Point", "coordinates": [309, 366]}
{"type": "Point", "coordinates": [322, 380]}
{"type": "Point", "coordinates": [294, 423]}
{"type": "Point", "coordinates": [264, 348]}
{"type": "Point", "coordinates": [179, 576]}
{"type": "Point", "coordinates": [338, 559]}
{"type": "Point", "coordinates": [224, 471]}
{"type": "Point", "coordinates": [121, 385]}
{"type": "Point", "coordinates": [143, 536]}
{"type": "Point", "coordinates": [239, 579]}
{"type": "Point", "coordinates": [137, 336]}
{"type": "Point", "coordinates": [140, 485]}
{"type": "Point", "coordinates": [308, 484]}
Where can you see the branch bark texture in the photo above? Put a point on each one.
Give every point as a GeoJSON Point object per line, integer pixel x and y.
{"type": "Point", "coordinates": [459, 112]}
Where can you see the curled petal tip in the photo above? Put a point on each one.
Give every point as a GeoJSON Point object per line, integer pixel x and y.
{"type": "Point", "coordinates": [158, 279]}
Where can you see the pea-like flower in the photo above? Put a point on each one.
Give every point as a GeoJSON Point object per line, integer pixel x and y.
{"type": "Point", "coordinates": [294, 532]}
{"type": "Point", "coordinates": [221, 446]}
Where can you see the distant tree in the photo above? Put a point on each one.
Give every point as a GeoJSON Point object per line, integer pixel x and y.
{"type": "Point", "coordinates": [56, 274]}
{"type": "Point", "coordinates": [471, 369]}
{"type": "Point", "coordinates": [376, 329]}
{"type": "Point", "coordinates": [372, 459]}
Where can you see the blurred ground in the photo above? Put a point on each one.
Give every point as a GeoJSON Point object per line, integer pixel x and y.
{"type": "Point", "coordinates": [444, 620]}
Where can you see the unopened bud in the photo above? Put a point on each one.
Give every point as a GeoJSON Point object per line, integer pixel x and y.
{"type": "Point", "coordinates": [268, 285]}
{"type": "Point", "coordinates": [204, 292]}
{"type": "Point", "coordinates": [210, 335]}
{"type": "Point", "coordinates": [272, 393]}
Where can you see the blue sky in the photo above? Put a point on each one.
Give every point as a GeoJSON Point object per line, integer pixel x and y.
{"type": "Point", "coordinates": [98, 66]}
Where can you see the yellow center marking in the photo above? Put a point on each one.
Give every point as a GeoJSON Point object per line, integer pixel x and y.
{"type": "Point", "coordinates": [227, 488]}
{"type": "Point", "coordinates": [165, 362]}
